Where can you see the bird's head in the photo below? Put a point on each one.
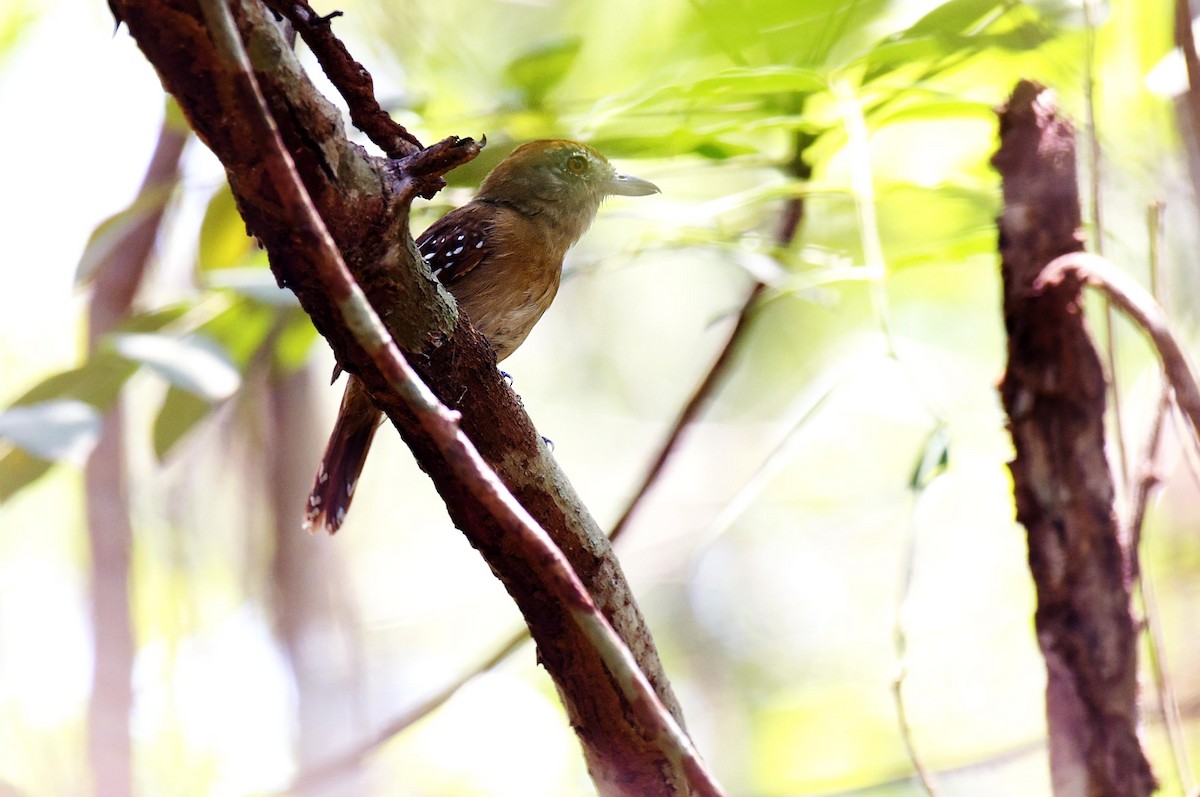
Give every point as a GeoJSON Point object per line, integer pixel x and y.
{"type": "Point", "coordinates": [561, 179]}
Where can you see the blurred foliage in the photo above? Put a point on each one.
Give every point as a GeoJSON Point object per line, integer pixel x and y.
{"type": "Point", "coordinates": [769, 560]}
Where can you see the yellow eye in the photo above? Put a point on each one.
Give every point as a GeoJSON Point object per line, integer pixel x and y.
{"type": "Point", "coordinates": [577, 164]}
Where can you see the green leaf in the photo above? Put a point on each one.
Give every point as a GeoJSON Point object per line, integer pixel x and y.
{"type": "Point", "coordinates": [97, 382]}
{"type": "Point", "coordinates": [672, 142]}
{"type": "Point", "coordinates": [193, 363]}
{"type": "Point", "coordinates": [955, 16]}
{"type": "Point", "coordinates": [181, 410]}
{"type": "Point", "coordinates": [294, 342]}
{"type": "Point", "coordinates": [16, 19]}
{"type": "Point", "coordinates": [111, 233]}
{"type": "Point", "coordinates": [19, 469]}
{"type": "Point", "coordinates": [931, 109]}
{"type": "Point", "coordinates": [241, 329]}
{"type": "Point", "coordinates": [224, 242]}
{"type": "Point", "coordinates": [935, 459]}
{"type": "Point", "coordinates": [257, 284]}
{"type": "Point", "coordinates": [755, 81]}
{"type": "Point", "coordinates": [52, 430]}
{"type": "Point", "coordinates": [539, 70]}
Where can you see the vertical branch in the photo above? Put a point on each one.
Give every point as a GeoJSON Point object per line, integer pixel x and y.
{"type": "Point", "coordinates": [1187, 105]}
{"type": "Point", "coordinates": [311, 598]}
{"type": "Point", "coordinates": [1054, 394]}
{"type": "Point", "coordinates": [110, 533]}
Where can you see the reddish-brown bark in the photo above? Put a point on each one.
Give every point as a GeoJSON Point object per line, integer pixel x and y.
{"type": "Point", "coordinates": [364, 205]}
{"type": "Point", "coordinates": [1054, 394]}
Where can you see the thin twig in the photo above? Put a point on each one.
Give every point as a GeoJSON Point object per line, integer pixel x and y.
{"type": "Point", "coordinates": [691, 410]}
{"type": "Point", "coordinates": [1140, 306]}
{"type": "Point", "coordinates": [931, 465]}
{"type": "Point", "coordinates": [351, 758]}
{"type": "Point", "coordinates": [442, 425]}
{"type": "Point", "coordinates": [789, 224]}
{"type": "Point", "coordinates": [1147, 481]}
{"type": "Point", "coordinates": [1168, 703]}
{"type": "Point", "coordinates": [349, 77]}
{"type": "Point", "coordinates": [1094, 163]}
{"type": "Point", "coordinates": [862, 186]}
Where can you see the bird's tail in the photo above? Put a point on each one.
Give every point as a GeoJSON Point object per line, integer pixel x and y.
{"type": "Point", "coordinates": [343, 461]}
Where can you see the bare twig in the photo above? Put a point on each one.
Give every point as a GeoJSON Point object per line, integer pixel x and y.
{"type": "Point", "coordinates": [1140, 306]}
{"type": "Point", "coordinates": [559, 580]}
{"type": "Point", "coordinates": [1147, 481]}
{"type": "Point", "coordinates": [930, 466]}
{"type": "Point", "coordinates": [785, 234]}
{"type": "Point", "coordinates": [1185, 40]}
{"type": "Point", "coordinates": [691, 410]}
{"type": "Point", "coordinates": [351, 758]}
{"type": "Point", "coordinates": [1168, 702]}
{"type": "Point", "coordinates": [1095, 159]}
{"type": "Point", "coordinates": [349, 77]}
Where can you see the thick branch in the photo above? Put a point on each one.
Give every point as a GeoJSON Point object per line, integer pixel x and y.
{"type": "Point", "coordinates": [364, 204]}
{"type": "Point", "coordinates": [1053, 392]}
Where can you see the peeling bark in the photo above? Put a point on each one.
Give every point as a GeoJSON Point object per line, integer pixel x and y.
{"type": "Point", "coordinates": [1054, 394]}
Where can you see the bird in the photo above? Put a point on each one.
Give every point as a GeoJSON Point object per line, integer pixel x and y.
{"type": "Point", "coordinates": [501, 257]}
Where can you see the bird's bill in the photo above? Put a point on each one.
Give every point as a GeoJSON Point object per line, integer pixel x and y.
{"type": "Point", "coordinates": [628, 185]}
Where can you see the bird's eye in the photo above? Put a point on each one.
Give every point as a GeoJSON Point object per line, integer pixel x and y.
{"type": "Point", "coordinates": [577, 164]}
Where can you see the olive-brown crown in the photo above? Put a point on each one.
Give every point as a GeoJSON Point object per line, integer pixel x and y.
{"type": "Point", "coordinates": [562, 179]}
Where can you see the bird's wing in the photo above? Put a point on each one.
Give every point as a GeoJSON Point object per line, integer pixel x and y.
{"type": "Point", "coordinates": [456, 243]}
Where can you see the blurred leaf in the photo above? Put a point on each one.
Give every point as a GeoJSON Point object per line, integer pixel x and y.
{"type": "Point", "coordinates": [110, 234]}
{"type": "Point", "coordinates": [97, 382]}
{"type": "Point", "coordinates": [755, 81]}
{"type": "Point", "coordinates": [193, 363]}
{"type": "Point", "coordinates": [156, 319]}
{"type": "Point", "coordinates": [935, 459]}
{"type": "Point", "coordinates": [539, 70]}
{"type": "Point", "coordinates": [257, 284]}
{"type": "Point", "coordinates": [796, 32]}
{"type": "Point", "coordinates": [180, 411]}
{"type": "Point", "coordinates": [667, 144]}
{"type": "Point", "coordinates": [294, 342]}
{"type": "Point", "coordinates": [956, 249]}
{"type": "Point", "coordinates": [931, 109]}
{"type": "Point", "coordinates": [957, 29]}
{"type": "Point", "coordinates": [16, 17]}
{"type": "Point", "coordinates": [955, 15]}
{"type": "Point", "coordinates": [19, 469]}
{"type": "Point", "coordinates": [223, 242]}
{"type": "Point", "coordinates": [241, 329]}
{"type": "Point", "coordinates": [52, 430]}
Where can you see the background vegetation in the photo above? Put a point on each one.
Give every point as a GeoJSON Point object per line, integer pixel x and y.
{"type": "Point", "coordinates": [848, 480]}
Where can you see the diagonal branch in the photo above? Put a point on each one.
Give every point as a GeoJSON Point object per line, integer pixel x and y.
{"type": "Point", "coordinates": [348, 76]}
{"type": "Point", "coordinates": [526, 538]}
{"type": "Point", "coordinates": [363, 203]}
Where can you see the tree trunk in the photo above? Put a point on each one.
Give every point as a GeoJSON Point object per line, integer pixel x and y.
{"type": "Point", "coordinates": [1054, 394]}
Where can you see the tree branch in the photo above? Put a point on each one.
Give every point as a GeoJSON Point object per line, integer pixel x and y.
{"type": "Point", "coordinates": [1053, 391]}
{"type": "Point", "coordinates": [363, 203]}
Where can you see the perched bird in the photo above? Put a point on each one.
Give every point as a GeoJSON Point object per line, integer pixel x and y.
{"type": "Point", "coordinates": [501, 256]}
